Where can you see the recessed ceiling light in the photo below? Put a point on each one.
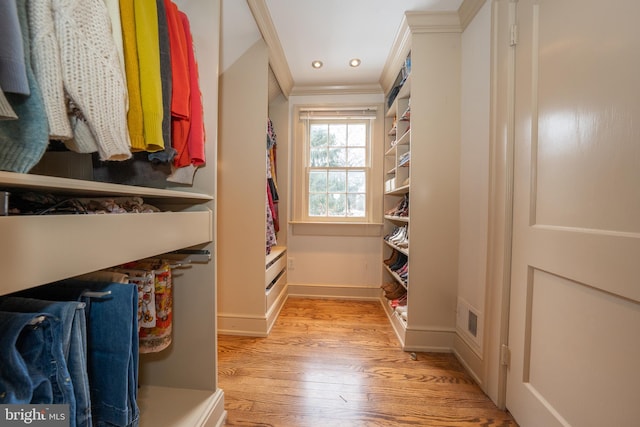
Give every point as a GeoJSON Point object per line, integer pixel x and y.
{"type": "Point", "coordinates": [316, 64]}
{"type": "Point", "coordinates": [354, 62]}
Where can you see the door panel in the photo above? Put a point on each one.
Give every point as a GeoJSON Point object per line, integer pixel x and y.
{"type": "Point", "coordinates": [575, 285]}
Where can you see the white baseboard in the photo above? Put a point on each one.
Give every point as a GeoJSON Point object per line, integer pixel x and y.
{"type": "Point", "coordinates": [429, 340]}
{"type": "Point", "coordinates": [242, 325]}
{"type": "Point", "coordinates": [469, 359]}
{"type": "Point", "coordinates": [218, 415]}
{"type": "Point", "coordinates": [276, 307]}
{"type": "Point", "coordinates": [298, 290]}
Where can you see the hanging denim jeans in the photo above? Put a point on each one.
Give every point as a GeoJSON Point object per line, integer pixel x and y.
{"type": "Point", "coordinates": [112, 345]}
{"type": "Point", "coordinates": [32, 366]}
{"type": "Point", "coordinates": [74, 347]}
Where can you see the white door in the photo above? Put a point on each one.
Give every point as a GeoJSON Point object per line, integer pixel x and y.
{"type": "Point", "coordinates": [574, 328]}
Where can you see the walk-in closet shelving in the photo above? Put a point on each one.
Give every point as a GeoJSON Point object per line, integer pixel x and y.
{"type": "Point", "coordinates": [248, 299]}
{"type": "Point", "coordinates": [39, 249]}
{"type": "Point", "coordinates": [178, 386]}
{"type": "Point", "coordinates": [36, 256]}
{"type": "Point", "coordinates": [422, 165]}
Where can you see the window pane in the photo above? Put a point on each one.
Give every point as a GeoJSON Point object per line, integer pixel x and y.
{"type": "Point", "coordinates": [338, 135]}
{"type": "Point", "coordinates": [356, 205]}
{"type": "Point", "coordinates": [337, 204]}
{"type": "Point", "coordinates": [318, 182]}
{"type": "Point", "coordinates": [318, 157]}
{"type": "Point", "coordinates": [319, 135]}
{"type": "Point", "coordinates": [357, 182]}
{"type": "Point", "coordinates": [357, 135]}
{"type": "Point", "coordinates": [356, 157]}
{"type": "Point", "coordinates": [317, 205]}
{"type": "Point", "coordinates": [337, 181]}
{"type": "Point", "coordinates": [337, 157]}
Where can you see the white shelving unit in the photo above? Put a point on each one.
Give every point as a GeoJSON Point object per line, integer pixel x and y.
{"type": "Point", "coordinates": [249, 299]}
{"type": "Point", "coordinates": [432, 90]}
{"type": "Point", "coordinates": [178, 386]}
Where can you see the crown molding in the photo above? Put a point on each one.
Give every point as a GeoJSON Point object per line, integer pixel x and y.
{"type": "Point", "coordinates": [468, 10]}
{"type": "Point", "coordinates": [337, 90]}
{"type": "Point", "coordinates": [398, 53]}
{"type": "Point", "coordinates": [415, 23]}
{"type": "Point", "coordinates": [433, 22]}
{"type": "Point", "coordinates": [277, 59]}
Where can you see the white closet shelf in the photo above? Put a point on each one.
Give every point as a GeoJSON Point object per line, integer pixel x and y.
{"type": "Point", "coordinates": [276, 252]}
{"type": "Point", "coordinates": [404, 92]}
{"type": "Point", "coordinates": [12, 180]}
{"type": "Point", "coordinates": [176, 407]}
{"type": "Point", "coordinates": [399, 326]}
{"type": "Point", "coordinates": [43, 249]}
{"type": "Point", "coordinates": [399, 191]}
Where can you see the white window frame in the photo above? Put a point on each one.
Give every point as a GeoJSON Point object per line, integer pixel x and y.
{"type": "Point", "coordinates": [304, 116]}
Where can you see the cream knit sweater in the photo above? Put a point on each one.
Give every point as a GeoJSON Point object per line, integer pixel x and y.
{"type": "Point", "coordinates": [45, 61]}
{"type": "Point", "coordinates": [92, 73]}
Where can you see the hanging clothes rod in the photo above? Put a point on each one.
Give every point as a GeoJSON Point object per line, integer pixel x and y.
{"type": "Point", "coordinates": [193, 255]}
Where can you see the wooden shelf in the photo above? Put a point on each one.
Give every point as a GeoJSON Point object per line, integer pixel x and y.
{"type": "Point", "coordinates": [47, 248]}
{"type": "Point", "coordinates": [399, 191]}
{"type": "Point", "coordinates": [403, 219]}
{"type": "Point", "coordinates": [77, 187]}
{"type": "Point", "coordinates": [399, 326]}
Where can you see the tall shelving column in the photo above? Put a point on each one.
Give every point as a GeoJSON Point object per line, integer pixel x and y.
{"type": "Point", "coordinates": [245, 306]}
{"type": "Point", "coordinates": [182, 384]}
{"type": "Point", "coordinates": [396, 196]}
{"type": "Point", "coordinates": [434, 43]}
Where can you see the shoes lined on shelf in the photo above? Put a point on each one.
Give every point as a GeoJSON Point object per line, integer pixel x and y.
{"type": "Point", "coordinates": [401, 209]}
{"type": "Point", "coordinates": [399, 237]}
{"type": "Point", "coordinates": [394, 291]}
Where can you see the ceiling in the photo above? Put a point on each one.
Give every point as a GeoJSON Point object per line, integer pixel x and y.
{"type": "Point", "coordinates": [332, 31]}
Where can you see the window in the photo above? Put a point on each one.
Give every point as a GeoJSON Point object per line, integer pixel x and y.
{"type": "Point", "coordinates": [337, 168]}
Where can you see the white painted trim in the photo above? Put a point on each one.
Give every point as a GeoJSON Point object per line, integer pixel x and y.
{"type": "Point", "coordinates": [468, 10]}
{"type": "Point", "coordinates": [242, 325]}
{"type": "Point", "coordinates": [440, 339]}
{"type": "Point", "coordinates": [181, 407]}
{"type": "Point", "coordinates": [398, 53]}
{"type": "Point", "coordinates": [274, 311]}
{"type": "Point", "coordinates": [336, 90]}
{"type": "Point", "coordinates": [277, 58]}
{"type": "Point", "coordinates": [415, 23]}
{"type": "Point", "coordinates": [397, 323]}
{"type": "Point", "coordinates": [471, 361]}
{"type": "Point", "coordinates": [218, 415]}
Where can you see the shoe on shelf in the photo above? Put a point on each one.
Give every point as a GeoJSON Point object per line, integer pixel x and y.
{"type": "Point", "coordinates": [392, 259]}
{"type": "Point", "coordinates": [401, 309]}
{"type": "Point", "coordinates": [397, 293]}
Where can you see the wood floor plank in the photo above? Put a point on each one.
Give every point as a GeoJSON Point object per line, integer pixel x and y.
{"type": "Point", "coordinates": [338, 363]}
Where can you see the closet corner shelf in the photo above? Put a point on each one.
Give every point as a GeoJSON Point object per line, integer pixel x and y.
{"type": "Point", "coordinates": [404, 92]}
{"type": "Point", "coordinates": [397, 218]}
{"type": "Point", "coordinates": [276, 252]}
{"type": "Point", "coordinates": [398, 191]}
{"type": "Point", "coordinates": [13, 180]}
{"type": "Point", "coordinates": [45, 248]}
{"type": "Point", "coordinates": [405, 138]}
{"type": "Point", "coordinates": [399, 326]}
{"type": "Point", "coordinates": [398, 248]}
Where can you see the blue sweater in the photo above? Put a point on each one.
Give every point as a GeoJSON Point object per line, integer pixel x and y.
{"type": "Point", "coordinates": [24, 141]}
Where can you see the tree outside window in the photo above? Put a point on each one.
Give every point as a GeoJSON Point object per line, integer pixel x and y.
{"type": "Point", "coordinates": [338, 168]}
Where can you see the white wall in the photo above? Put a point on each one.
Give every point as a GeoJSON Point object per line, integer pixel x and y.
{"type": "Point", "coordinates": [334, 266]}
{"type": "Point", "coordinates": [474, 176]}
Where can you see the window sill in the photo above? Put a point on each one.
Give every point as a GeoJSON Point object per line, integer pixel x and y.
{"type": "Point", "coordinates": [356, 229]}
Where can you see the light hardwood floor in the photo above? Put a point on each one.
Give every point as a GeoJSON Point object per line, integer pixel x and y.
{"type": "Point", "coordinates": [333, 363]}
